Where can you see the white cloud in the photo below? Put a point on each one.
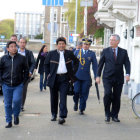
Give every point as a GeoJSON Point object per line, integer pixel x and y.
{"type": "Point", "coordinates": [9, 7]}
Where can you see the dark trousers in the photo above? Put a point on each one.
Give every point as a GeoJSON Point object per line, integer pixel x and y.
{"type": "Point", "coordinates": [59, 90]}
{"type": "Point", "coordinates": [24, 93]}
{"type": "Point", "coordinates": [81, 91]}
{"type": "Point", "coordinates": [112, 97]}
{"type": "Point", "coordinates": [43, 81]}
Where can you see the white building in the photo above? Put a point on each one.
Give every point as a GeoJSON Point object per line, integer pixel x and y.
{"type": "Point", "coordinates": [28, 24]}
{"type": "Point", "coordinates": [123, 17]}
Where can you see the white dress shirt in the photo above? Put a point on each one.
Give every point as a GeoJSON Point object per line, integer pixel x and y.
{"type": "Point", "coordinates": [62, 65]}
{"type": "Point", "coordinates": [85, 51]}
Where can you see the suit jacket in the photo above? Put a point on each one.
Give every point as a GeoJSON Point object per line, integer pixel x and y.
{"type": "Point", "coordinates": [52, 62]}
{"type": "Point", "coordinates": [30, 60]}
{"type": "Point", "coordinates": [83, 72]}
{"type": "Point", "coordinates": [113, 69]}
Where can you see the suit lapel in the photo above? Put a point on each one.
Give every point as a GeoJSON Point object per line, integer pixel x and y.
{"type": "Point", "coordinates": [118, 55]}
{"type": "Point", "coordinates": [65, 55]}
{"type": "Point", "coordinates": [111, 54]}
{"type": "Point", "coordinates": [57, 55]}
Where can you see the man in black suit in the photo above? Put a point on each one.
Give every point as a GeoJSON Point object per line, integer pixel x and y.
{"type": "Point", "coordinates": [31, 64]}
{"type": "Point", "coordinates": [60, 68]}
{"type": "Point", "coordinates": [113, 59]}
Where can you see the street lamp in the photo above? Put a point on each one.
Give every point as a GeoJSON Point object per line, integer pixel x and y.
{"type": "Point", "coordinates": [132, 32]}
{"type": "Point", "coordinates": [125, 34]}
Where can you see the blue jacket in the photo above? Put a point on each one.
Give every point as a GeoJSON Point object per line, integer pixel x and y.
{"type": "Point", "coordinates": [83, 72]}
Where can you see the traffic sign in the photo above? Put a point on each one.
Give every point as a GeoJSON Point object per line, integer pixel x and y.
{"type": "Point", "coordinates": [75, 34]}
{"type": "Point", "coordinates": [86, 3]}
{"type": "Point", "coordinates": [71, 39]}
{"type": "Point", "coordinates": [2, 36]}
{"type": "Point", "coordinates": [53, 2]}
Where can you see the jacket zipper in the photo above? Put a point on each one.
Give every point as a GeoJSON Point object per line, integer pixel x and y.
{"type": "Point", "coordinates": [12, 72]}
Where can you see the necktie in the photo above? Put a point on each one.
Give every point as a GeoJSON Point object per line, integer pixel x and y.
{"type": "Point", "coordinates": [114, 50]}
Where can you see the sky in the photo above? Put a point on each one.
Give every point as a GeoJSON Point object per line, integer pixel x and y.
{"type": "Point", "coordinates": [9, 7]}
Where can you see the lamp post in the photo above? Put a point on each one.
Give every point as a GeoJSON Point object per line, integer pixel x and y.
{"type": "Point", "coordinates": [75, 27]}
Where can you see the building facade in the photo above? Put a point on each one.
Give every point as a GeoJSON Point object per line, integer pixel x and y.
{"type": "Point", "coordinates": [60, 27]}
{"type": "Point", "coordinates": [123, 17]}
{"type": "Point", "coordinates": [28, 24]}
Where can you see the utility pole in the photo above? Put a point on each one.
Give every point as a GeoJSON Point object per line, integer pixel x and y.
{"type": "Point", "coordinates": [85, 20]}
{"type": "Point", "coordinates": [52, 27]}
{"type": "Point", "coordinates": [86, 4]}
{"type": "Point", "coordinates": [75, 27]}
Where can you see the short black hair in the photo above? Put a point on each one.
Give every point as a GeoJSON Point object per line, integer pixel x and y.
{"type": "Point", "coordinates": [60, 39]}
{"type": "Point", "coordinates": [10, 42]}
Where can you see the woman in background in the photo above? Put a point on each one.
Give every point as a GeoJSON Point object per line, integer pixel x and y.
{"type": "Point", "coordinates": [41, 58]}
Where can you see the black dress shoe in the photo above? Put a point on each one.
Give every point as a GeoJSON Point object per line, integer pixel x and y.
{"type": "Point", "coordinates": [107, 119]}
{"type": "Point", "coordinates": [81, 112]}
{"type": "Point", "coordinates": [16, 120]}
{"type": "Point", "coordinates": [22, 109]}
{"type": "Point", "coordinates": [9, 125]}
{"type": "Point", "coordinates": [115, 119]}
{"type": "Point", "coordinates": [61, 120]}
{"type": "Point", "coordinates": [53, 118]}
{"type": "Point", "coordinates": [75, 107]}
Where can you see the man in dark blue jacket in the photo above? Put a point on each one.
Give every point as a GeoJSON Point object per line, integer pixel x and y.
{"type": "Point", "coordinates": [82, 85]}
{"type": "Point", "coordinates": [13, 75]}
{"type": "Point", "coordinates": [113, 59]}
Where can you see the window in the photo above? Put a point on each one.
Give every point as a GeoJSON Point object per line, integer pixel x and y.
{"type": "Point", "coordinates": [63, 18]}
{"type": "Point", "coordinates": [55, 15]}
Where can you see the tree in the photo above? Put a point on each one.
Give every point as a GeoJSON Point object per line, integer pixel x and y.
{"type": "Point", "coordinates": [91, 21]}
{"type": "Point", "coordinates": [7, 28]}
{"type": "Point", "coordinates": [70, 14]}
{"type": "Point", "coordinates": [40, 36]}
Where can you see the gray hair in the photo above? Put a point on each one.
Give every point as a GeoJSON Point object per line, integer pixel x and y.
{"type": "Point", "coordinates": [23, 38]}
{"type": "Point", "coordinates": [117, 36]}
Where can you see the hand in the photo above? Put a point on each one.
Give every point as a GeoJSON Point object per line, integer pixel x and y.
{"type": "Point", "coordinates": [30, 74]}
{"type": "Point", "coordinates": [98, 80]}
{"type": "Point", "coordinates": [127, 78]}
{"type": "Point", "coordinates": [48, 76]}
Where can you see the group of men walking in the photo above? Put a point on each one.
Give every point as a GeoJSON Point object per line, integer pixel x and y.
{"type": "Point", "coordinates": [63, 67]}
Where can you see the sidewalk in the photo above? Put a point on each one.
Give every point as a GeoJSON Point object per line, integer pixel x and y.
{"type": "Point", "coordinates": [35, 122]}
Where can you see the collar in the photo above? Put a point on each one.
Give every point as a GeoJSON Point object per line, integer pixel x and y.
{"type": "Point", "coordinates": [20, 50]}
{"type": "Point", "coordinates": [115, 48]}
{"type": "Point", "coordinates": [12, 56]}
{"type": "Point", "coordinates": [60, 51]}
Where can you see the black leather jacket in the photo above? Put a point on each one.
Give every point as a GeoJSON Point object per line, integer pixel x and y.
{"type": "Point", "coordinates": [13, 70]}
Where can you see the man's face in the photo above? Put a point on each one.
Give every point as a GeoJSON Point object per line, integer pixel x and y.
{"type": "Point", "coordinates": [61, 45]}
{"type": "Point", "coordinates": [78, 47]}
{"type": "Point", "coordinates": [12, 49]}
{"type": "Point", "coordinates": [113, 42]}
{"type": "Point", "coordinates": [86, 46]}
{"type": "Point", "coordinates": [13, 38]}
{"type": "Point", "coordinates": [22, 43]}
